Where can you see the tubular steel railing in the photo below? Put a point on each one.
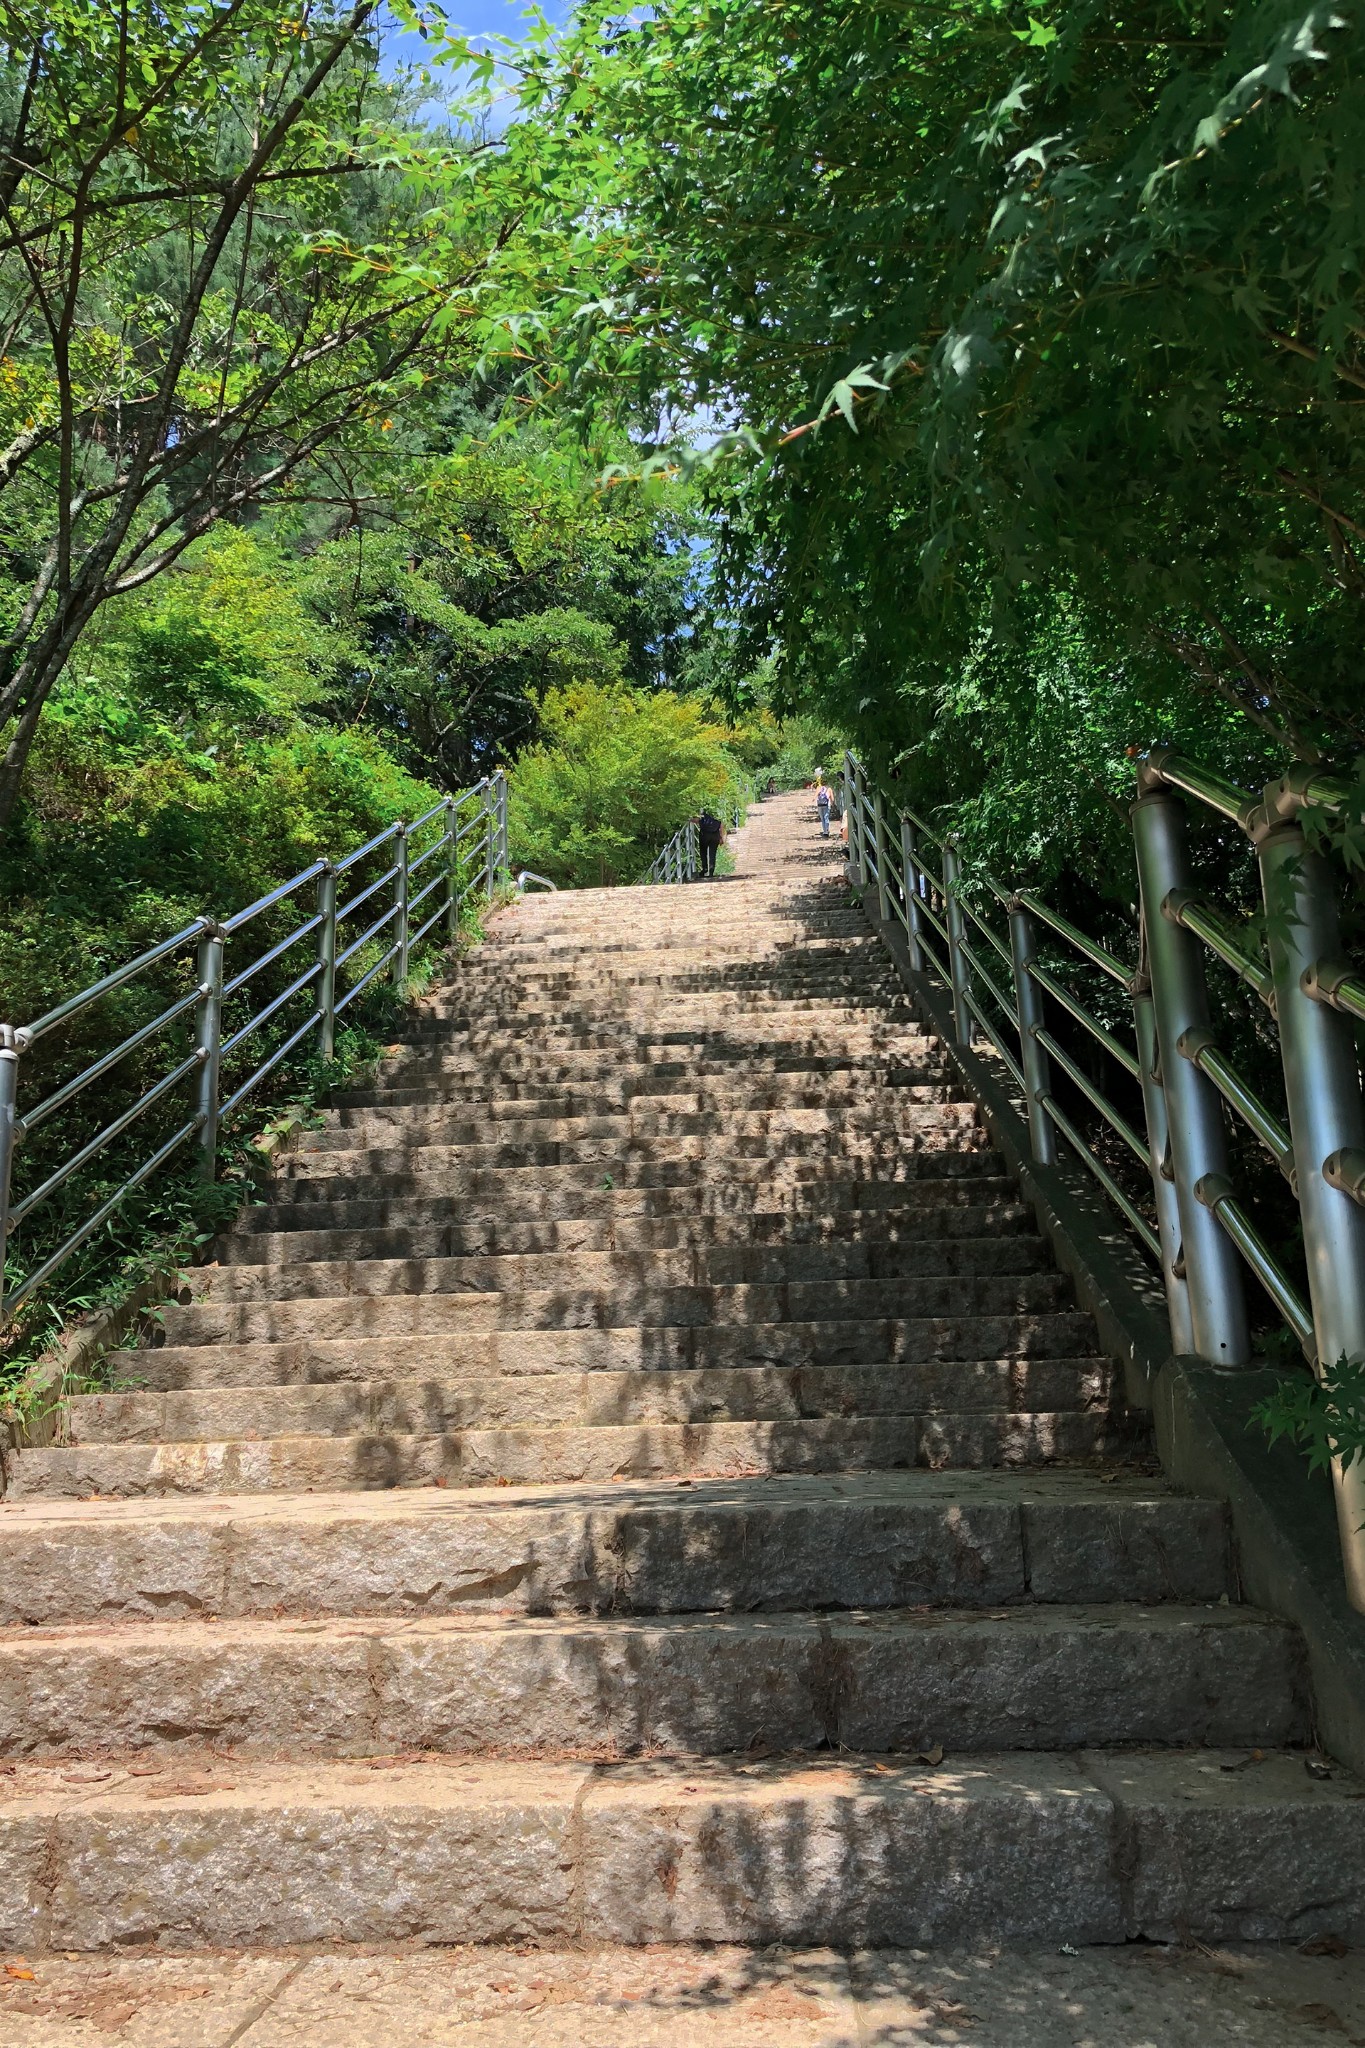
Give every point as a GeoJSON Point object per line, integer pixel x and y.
{"type": "Point", "coordinates": [680, 859]}
{"type": "Point", "coordinates": [426, 868]}
{"type": "Point", "coordinates": [1195, 1226]}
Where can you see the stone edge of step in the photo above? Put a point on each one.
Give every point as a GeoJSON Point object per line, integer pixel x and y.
{"type": "Point", "coordinates": [1089, 1847]}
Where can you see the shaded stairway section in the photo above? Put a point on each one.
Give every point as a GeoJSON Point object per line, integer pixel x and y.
{"type": "Point", "coordinates": [640, 1477]}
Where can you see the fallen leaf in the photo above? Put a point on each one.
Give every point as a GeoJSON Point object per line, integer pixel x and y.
{"type": "Point", "coordinates": [24, 1976]}
{"type": "Point", "coordinates": [930, 1756]}
{"type": "Point", "coordinates": [1316, 1768]}
{"type": "Point", "coordinates": [1325, 1945]}
{"type": "Point", "coordinates": [1319, 2015]}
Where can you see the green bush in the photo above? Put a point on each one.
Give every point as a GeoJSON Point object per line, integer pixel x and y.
{"type": "Point", "coordinates": [616, 774]}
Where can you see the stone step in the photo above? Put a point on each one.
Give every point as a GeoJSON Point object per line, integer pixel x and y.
{"type": "Point", "coordinates": [743, 941]}
{"type": "Point", "coordinates": [835, 1153]}
{"type": "Point", "coordinates": [436, 1402]}
{"type": "Point", "coordinates": [452, 1124]}
{"type": "Point", "coordinates": [1018, 1678]}
{"type": "Point", "coordinates": [633, 1060]}
{"type": "Point", "coordinates": [405, 1086]}
{"type": "Point", "coordinates": [218, 1318]}
{"type": "Point", "coordinates": [739, 1030]}
{"type": "Point", "coordinates": [568, 1453]}
{"type": "Point", "coordinates": [1006, 1340]}
{"type": "Point", "coordinates": [703, 1211]}
{"type": "Point", "coordinates": [494, 1236]}
{"type": "Point", "coordinates": [1101, 1846]}
{"type": "Point", "coordinates": [807, 1178]}
{"type": "Point", "coordinates": [646, 978]}
{"type": "Point", "coordinates": [748, 1545]}
{"type": "Point", "coordinates": [684, 1000]}
{"type": "Point", "coordinates": [688, 1266]}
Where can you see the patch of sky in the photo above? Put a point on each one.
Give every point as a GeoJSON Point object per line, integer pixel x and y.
{"type": "Point", "coordinates": [482, 22]}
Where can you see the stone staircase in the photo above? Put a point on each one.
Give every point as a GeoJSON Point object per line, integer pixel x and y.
{"type": "Point", "coordinates": [641, 1479]}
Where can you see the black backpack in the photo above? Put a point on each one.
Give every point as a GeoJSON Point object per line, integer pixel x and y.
{"type": "Point", "coordinates": [708, 824]}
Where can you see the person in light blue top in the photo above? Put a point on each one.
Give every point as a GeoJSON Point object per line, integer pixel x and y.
{"type": "Point", "coordinates": [823, 801]}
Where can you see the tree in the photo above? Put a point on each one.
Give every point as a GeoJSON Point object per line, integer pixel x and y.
{"type": "Point", "coordinates": [616, 773]}
{"type": "Point", "coordinates": [475, 579]}
{"type": "Point", "coordinates": [1036, 333]}
{"type": "Point", "coordinates": [222, 261]}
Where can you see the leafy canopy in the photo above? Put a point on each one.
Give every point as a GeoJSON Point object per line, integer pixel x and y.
{"type": "Point", "coordinates": [1034, 335]}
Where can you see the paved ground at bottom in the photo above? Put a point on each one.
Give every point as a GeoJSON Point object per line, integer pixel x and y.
{"type": "Point", "coordinates": [1135, 1997]}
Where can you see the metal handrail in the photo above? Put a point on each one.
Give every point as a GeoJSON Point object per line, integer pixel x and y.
{"type": "Point", "coordinates": [345, 909]}
{"type": "Point", "coordinates": [370, 846]}
{"type": "Point", "coordinates": [1126, 1207]}
{"type": "Point", "coordinates": [247, 974]}
{"type": "Point", "coordinates": [1209, 788]}
{"type": "Point", "coordinates": [106, 1137]}
{"type": "Point", "coordinates": [1075, 1008]}
{"type": "Point", "coordinates": [993, 938]}
{"type": "Point", "coordinates": [241, 917]}
{"type": "Point", "coordinates": [1221, 936]}
{"type": "Point", "coordinates": [1093, 1093]}
{"type": "Point", "coordinates": [984, 974]}
{"type": "Point", "coordinates": [43, 1110]}
{"type": "Point", "coordinates": [1098, 955]}
{"type": "Point", "coordinates": [214, 1041]}
{"type": "Point", "coordinates": [1203, 1238]}
{"type": "Point", "coordinates": [677, 860]}
{"type": "Point", "coordinates": [1216, 1193]}
{"type": "Point", "coordinates": [1198, 1046]}
{"type": "Point", "coordinates": [29, 1034]}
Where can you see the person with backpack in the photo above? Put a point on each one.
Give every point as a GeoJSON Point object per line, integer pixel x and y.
{"type": "Point", "coordinates": [823, 801]}
{"type": "Point", "coordinates": [710, 839]}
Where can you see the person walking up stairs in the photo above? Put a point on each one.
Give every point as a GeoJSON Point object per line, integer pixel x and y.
{"type": "Point", "coordinates": [640, 1478]}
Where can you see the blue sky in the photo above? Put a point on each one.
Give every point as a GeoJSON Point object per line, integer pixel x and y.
{"type": "Point", "coordinates": [476, 18]}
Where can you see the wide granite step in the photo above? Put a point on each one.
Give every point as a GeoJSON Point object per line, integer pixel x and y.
{"type": "Point", "coordinates": [1096, 1846]}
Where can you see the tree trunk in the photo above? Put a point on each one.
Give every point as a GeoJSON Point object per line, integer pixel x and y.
{"type": "Point", "coordinates": [15, 757]}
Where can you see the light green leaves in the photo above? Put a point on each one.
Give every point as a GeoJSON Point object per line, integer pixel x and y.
{"type": "Point", "coordinates": [844, 393]}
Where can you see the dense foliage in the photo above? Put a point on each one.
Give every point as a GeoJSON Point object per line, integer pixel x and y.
{"type": "Point", "coordinates": [226, 259]}
{"type": "Point", "coordinates": [1036, 330]}
{"type": "Point", "coordinates": [615, 773]}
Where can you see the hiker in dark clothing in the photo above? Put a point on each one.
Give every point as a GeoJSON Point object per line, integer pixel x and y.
{"type": "Point", "coordinates": [710, 838]}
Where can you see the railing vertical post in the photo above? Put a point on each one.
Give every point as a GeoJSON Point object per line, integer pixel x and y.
{"type": "Point", "coordinates": [9, 1097]}
{"type": "Point", "coordinates": [504, 858]}
{"type": "Point", "coordinates": [883, 864]}
{"type": "Point", "coordinates": [208, 1039]}
{"type": "Point", "coordinates": [1037, 1068]}
{"type": "Point", "coordinates": [1326, 1117]}
{"type": "Point", "coordinates": [490, 831]}
{"type": "Point", "coordinates": [400, 897]}
{"type": "Point", "coordinates": [957, 960]}
{"type": "Point", "coordinates": [691, 843]}
{"type": "Point", "coordinates": [327, 962]}
{"type": "Point", "coordinates": [1163, 1178]}
{"type": "Point", "coordinates": [1198, 1140]}
{"type": "Point", "coordinates": [853, 811]}
{"type": "Point", "coordinates": [914, 919]}
{"type": "Point", "coordinates": [452, 872]}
